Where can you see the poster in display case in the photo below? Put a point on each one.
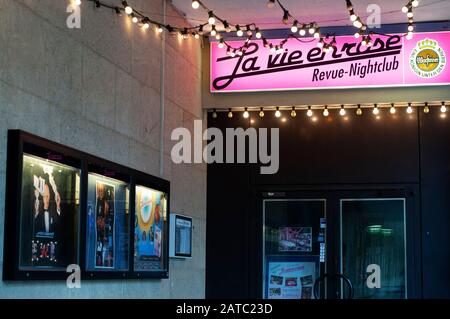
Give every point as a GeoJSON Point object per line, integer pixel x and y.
{"type": "Point", "coordinates": [150, 229]}
{"type": "Point", "coordinates": [48, 214]}
{"type": "Point", "coordinates": [66, 207]}
{"type": "Point", "coordinates": [108, 224]}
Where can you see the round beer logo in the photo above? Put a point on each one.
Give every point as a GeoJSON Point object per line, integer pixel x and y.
{"type": "Point", "coordinates": [427, 59]}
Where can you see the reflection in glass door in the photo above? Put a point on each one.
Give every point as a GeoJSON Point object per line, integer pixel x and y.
{"type": "Point", "coordinates": [373, 247]}
{"type": "Point", "coordinates": [293, 247]}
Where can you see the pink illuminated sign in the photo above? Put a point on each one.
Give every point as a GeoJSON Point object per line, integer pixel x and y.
{"type": "Point", "coordinates": [391, 61]}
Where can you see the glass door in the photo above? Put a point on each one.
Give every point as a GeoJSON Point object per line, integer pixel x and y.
{"type": "Point", "coordinates": [294, 247]}
{"type": "Point", "coordinates": [339, 244]}
{"type": "Point", "coordinates": [373, 247]}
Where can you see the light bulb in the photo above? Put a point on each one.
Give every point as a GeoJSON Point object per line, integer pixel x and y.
{"type": "Point", "coordinates": [426, 109]}
{"type": "Point", "coordinates": [294, 27]}
{"type": "Point", "coordinates": [220, 45]}
{"type": "Point", "coordinates": [258, 33]}
{"type": "Point", "coordinates": [359, 111]}
{"type": "Point", "coordinates": [317, 34]}
{"type": "Point", "coordinates": [320, 43]}
{"type": "Point", "coordinates": [214, 114]}
{"type": "Point", "coordinates": [342, 111]}
{"type": "Point", "coordinates": [405, 9]}
{"type": "Point", "coordinates": [285, 17]}
{"type": "Point", "coordinates": [135, 19]}
{"type": "Point", "coordinates": [409, 110]}
{"type": "Point", "coordinates": [310, 112]}
{"type": "Point", "coordinates": [293, 113]}
{"type": "Point", "coordinates": [326, 112]}
{"type": "Point", "coordinates": [146, 25]}
{"type": "Point", "coordinates": [443, 108]}
{"type": "Point", "coordinates": [312, 30]}
{"type": "Point", "coordinates": [409, 36]}
{"type": "Point", "coordinates": [213, 31]}
{"type": "Point", "coordinates": [261, 113]}
{"type": "Point", "coordinates": [218, 37]}
{"type": "Point", "coordinates": [270, 4]}
{"type": "Point", "coordinates": [128, 10]}
{"type": "Point", "coordinates": [195, 4]}
{"type": "Point", "coordinates": [277, 113]}
{"type": "Point", "coordinates": [364, 41]}
{"type": "Point", "coordinates": [159, 29]}
{"type": "Point", "coordinates": [302, 31]}
{"type": "Point", "coordinates": [410, 14]}
{"type": "Point", "coordinates": [410, 28]}
{"type": "Point", "coordinates": [357, 24]}
{"type": "Point", "coordinates": [353, 17]}
{"type": "Point", "coordinates": [415, 3]}
{"type": "Point", "coordinates": [376, 111]}
{"type": "Point", "coordinates": [246, 114]}
{"type": "Point", "coordinates": [230, 114]}
{"type": "Point", "coordinates": [357, 35]}
{"type": "Point", "coordinates": [392, 110]}
{"type": "Point", "coordinates": [211, 19]}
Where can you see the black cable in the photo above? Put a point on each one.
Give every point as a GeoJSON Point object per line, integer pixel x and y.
{"type": "Point", "coordinates": [199, 27]}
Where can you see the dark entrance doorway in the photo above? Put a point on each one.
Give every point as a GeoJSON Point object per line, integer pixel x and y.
{"type": "Point", "coordinates": [336, 244]}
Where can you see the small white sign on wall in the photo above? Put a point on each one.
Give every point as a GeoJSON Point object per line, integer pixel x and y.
{"type": "Point", "coordinates": [180, 238]}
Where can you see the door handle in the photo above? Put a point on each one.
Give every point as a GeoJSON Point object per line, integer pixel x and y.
{"type": "Point", "coordinates": [333, 276]}
{"type": "Point", "coordinates": [349, 283]}
{"type": "Point", "coordinates": [316, 285]}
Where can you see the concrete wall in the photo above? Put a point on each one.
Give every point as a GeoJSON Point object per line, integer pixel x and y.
{"type": "Point", "coordinates": [102, 83]}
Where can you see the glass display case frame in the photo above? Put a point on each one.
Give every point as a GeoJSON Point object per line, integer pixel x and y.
{"type": "Point", "coordinates": [21, 144]}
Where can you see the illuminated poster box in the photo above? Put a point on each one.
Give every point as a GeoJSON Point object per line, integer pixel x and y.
{"type": "Point", "coordinates": [65, 207]}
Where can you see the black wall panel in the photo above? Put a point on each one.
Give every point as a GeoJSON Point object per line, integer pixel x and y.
{"type": "Point", "coordinates": [226, 232]}
{"type": "Point", "coordinates": [349, 149]}
{"type": "Point", "coordinates": [435, 168]}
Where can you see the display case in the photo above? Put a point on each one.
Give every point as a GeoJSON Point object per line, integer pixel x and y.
{"type": "Point", "coordinates": [108, 222]}
{"type": "Point", "coordinates": [49, 210]}
{"type": "Point", "coordinates": [66, 207]}
{"type": "Point", "coordinates": [151, 229]}
{"type": "Point", "coordinates": [180, 239]}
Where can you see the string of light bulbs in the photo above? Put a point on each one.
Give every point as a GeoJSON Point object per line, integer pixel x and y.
{"type": "Point", "coordinates": [251, 29]}
{"type": "Point", "coordinates": [408, 9]}
{"type": "Point", "coordinates": [343, 109]}
{"type": "Point", "coordinates": [366, 39]}
{"type": "Point", "coordinates": [298, 29]}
